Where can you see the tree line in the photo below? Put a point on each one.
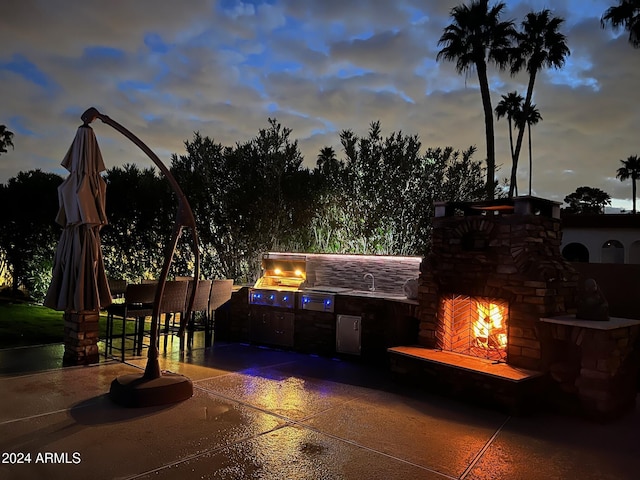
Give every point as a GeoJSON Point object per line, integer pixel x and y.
{"type": "Point", "coordinates": [374, 197]}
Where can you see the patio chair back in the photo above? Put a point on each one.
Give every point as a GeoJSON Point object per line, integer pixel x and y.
{"type": "Point", "coordinates": [117, 287]}
{"type": "Point", "coordinates": [220, 293]}
{"type": "Point", "coordinates": [172, 304]}
{"type": "Point", "coordinates": [139, 293]}
{"type": "Point", "coordinates": [201, 301]}
{"type": "Point", "coordinates": [174, 297]}
{"type": "Point", "coordinates": [200, 318]}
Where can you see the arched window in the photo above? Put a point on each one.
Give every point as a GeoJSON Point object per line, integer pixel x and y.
{"type": "Point", "coordinates": [634, 252]}
{"type": "Point", "coordinates": [576, 252]}
{"type": "Point", "coordinates": [612, 252]}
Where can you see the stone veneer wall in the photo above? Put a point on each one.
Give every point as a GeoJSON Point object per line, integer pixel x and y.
{"type": "Point", "coordinates": [596, 365]}
{"type": "Point", "coordinates": [511, 257]}
{"type": "Point", "coordinates": [81, 338]}
{"type": "Point", "coordinates": [347, 271]}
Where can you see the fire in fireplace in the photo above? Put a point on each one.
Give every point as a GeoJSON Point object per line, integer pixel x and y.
{"type": "Point", "coordinates": [475, 326]}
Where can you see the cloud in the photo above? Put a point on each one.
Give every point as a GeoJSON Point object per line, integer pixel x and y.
{"type": "Point", "coordinates": [166, 70]}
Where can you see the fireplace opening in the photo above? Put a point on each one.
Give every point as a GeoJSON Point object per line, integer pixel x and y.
{"type": "Point", "coordinates": [475, 326]}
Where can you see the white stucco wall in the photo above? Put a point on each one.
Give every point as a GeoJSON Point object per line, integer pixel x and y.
{"type": "Point", "coordinates": [594, 239]}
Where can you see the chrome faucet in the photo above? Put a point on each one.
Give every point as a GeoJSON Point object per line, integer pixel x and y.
{"type": "Point", "coordinates": [373, 281]}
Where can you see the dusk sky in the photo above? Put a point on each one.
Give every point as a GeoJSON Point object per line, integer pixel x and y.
{"type": "Point", "coordinates": [167, 69]}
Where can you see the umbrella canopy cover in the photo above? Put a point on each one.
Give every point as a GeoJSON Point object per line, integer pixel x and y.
{"type": "Point", "coordinates": [79, 282]}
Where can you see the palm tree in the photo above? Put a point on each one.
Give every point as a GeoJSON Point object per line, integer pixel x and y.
{"type": "Point", "coordinates": [528, 117]}
{"type": "Point", "coordinates": [5, 139]}
{"type": "Point", "coordinates": [326, 156]}
{"type": "Point", "coordinates": [475, 37]}
{"type": "Point", "coordinates": [511, 107]}
{"type": "Point", "coordinates": [330, 169]}
{"type": "Point", "coordinates": [630, 170]}
{"type": "Point", "coordinates": [540, 44]}
{"type": "Point", "coordinates": [627, 15]}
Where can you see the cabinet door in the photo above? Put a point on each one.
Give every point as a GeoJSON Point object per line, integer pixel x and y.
{"type": "Point", "coordinates": [282, 329]}
{"type": "Point", "coordinates": [348, 331]}
{"type": "Point", "coordinates": [260, 325]}
{"type": "Point", "coordinates": [272, 327]}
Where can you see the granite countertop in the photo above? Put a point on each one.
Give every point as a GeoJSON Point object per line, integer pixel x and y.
{"type": "Point", "coordinates": [612, 324]}
{"type": "Point", "coordinates": [350, 292]}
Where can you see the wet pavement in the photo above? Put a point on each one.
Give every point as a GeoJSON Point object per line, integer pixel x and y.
{"type": "Point", "coordinates": [259, 413]}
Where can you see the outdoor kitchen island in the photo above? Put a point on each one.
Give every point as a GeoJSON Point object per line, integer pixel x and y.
{"type": "Point", "coordinates": [350, 306]}
{"type": "Point", "coordinates": [360, 325]}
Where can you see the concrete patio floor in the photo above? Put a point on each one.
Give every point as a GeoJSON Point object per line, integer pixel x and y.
{"type": "Point", "coordinates": [269, 414]}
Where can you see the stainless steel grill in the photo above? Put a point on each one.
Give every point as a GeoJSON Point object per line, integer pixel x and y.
{"type": "Point", "coordinates": [272, 298]}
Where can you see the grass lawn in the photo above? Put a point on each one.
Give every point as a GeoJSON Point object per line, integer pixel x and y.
{"type": "Point", "coordinates": [24, 324]}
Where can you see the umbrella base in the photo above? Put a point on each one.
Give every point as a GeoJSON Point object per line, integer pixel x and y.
{"type": "Point", "coordinates": [136, 391]}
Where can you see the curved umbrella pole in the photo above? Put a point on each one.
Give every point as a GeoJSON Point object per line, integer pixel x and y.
{"type": "Point", "coordinates": [184, 218]}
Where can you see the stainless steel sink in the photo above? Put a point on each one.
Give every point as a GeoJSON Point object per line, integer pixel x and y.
{"type": "Point", "coordinates": [365, 293]}
{"type": "Point", "coordinates": [374, 294]}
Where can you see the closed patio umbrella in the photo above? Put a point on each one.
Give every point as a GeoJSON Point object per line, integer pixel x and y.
{"type": "Point", "coordinates": [79, 284]}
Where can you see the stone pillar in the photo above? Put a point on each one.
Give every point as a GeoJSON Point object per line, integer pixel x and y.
{"type": "Point", "coordinates": [595, 364]}
{"type": "Point", "coordinates": [427, 310]}
{"type": "Point", "coordinates": [81, 338]}
{"type": "Point", "coordinates": [609, 370]}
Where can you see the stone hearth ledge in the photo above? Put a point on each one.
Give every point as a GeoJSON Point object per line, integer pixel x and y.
{"type": "Point", "coordinates": [466, 362]}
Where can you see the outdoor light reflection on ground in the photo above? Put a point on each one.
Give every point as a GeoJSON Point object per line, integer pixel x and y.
{"type": "Point", "coordinates": [280, 394]}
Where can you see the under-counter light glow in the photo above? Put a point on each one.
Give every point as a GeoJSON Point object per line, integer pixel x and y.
{"type": "Point", "coordinates": [298, 273]}
{"type": "Point", "coordinates": [277, 271]}
{"type": "Point", "coordinates": [347, 256]}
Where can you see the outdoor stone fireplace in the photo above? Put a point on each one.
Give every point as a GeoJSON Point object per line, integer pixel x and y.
{"type": "Point", "coordinates": [497, 306]}
{"type": "Point", "coordinates": [497, 266]}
